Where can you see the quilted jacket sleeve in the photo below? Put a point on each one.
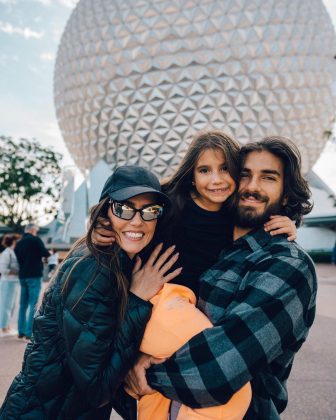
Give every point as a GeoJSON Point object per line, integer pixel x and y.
{"type": "Point", "coordinates": [100, 350]}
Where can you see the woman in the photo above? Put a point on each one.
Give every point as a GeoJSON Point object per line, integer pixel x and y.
{"type": "Point", "coordinates": [9, 285]}
{"type": "Point", "coordinates": [87, 332]}
{"type": "Point", "coordinates": [53, 261]}
{"type": "Point", "coordinates": [201, 226]}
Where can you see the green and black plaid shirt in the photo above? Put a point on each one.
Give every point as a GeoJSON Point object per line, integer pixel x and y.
{"type": "Point", "coordinates": [260, 296]}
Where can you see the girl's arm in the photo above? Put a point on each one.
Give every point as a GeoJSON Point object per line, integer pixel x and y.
{"type": "Point", "coordinates": [102, 234]}
{"type": "Point", "coordinates": [279, 225]}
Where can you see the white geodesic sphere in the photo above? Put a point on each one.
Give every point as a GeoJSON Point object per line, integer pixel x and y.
{"type": "Point", "coordinates": [134, 79]}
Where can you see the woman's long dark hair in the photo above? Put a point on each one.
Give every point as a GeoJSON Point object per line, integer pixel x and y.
{"type": "Point", "coordinates": [179, 187]}
{"type": "Point", "coordinates": [106, 257]}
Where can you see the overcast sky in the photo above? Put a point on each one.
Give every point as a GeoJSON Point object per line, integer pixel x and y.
{"type": "Point", "coordinates": [30, 31]}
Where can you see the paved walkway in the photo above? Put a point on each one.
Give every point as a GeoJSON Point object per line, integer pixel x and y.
{"type": "Point", "coordinates": [312, 382]}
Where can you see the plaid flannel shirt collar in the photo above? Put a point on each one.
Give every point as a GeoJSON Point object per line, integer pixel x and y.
{"type": "Point", "coordinates": [254, 240]}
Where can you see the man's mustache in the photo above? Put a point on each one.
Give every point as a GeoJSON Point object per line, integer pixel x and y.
{"type": "Point", "coordinates": [255, 195]}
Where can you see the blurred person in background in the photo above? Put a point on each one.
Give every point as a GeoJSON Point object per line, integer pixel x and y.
{"type": "Point", "coordinates": [2, 239]}
{"type": "Point", "coordinates": [9, 285]}
{"type": "Point", "coordinates": [29, 251]}
{"type": "Point", "coordinates": [52, 262]}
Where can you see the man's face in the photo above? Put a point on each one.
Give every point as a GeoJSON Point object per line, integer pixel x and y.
{"type": "Point", "coordinates": [34, 230]}
{"type": "Point", "coordinates": [260, 192]}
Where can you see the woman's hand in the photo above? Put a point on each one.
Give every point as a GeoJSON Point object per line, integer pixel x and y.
{"type": "Point", "coordinates": [278, 225]}
{"type": "Point", "coordinates": [149, 279]}
{"type": "Point", "coordinates": [102, 235]}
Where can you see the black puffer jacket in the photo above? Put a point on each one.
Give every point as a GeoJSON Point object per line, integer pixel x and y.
{"type": "Point", "coordinates": [79, 355]}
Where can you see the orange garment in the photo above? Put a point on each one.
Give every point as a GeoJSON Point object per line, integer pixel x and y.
{"type": "Point", "coordinates": [174, 321]}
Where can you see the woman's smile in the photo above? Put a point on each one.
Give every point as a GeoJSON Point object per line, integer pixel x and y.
{"type": "Point", "coordinates": [133, 236]}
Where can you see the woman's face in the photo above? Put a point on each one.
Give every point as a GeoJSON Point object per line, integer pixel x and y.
{"type": "Point", "coordinates": [212, 180]}
{"type": "Point", "coordinates": [133, 235]}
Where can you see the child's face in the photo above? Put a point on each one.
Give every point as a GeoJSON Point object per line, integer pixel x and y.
{"type": "Point", "coordinates": [212, 180]}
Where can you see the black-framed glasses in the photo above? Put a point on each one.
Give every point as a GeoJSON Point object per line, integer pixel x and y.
{"type": "Point", "coordinates": [126, 211]}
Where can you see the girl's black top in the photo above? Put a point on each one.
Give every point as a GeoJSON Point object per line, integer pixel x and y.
{"type": "Point", "coordinates": [199, 236]}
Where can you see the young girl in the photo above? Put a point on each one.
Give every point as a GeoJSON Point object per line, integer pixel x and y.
{"type": "Point", "coordinates": [201, 226]}
{"type": "Point", "coordinates": [88, 330]}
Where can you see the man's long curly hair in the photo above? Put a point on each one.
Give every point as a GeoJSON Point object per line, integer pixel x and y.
{"type": "Point", "coordinates": [296, 189]}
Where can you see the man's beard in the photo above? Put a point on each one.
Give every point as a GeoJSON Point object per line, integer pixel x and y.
{"type": "Point", "coordinates": [248, 217]}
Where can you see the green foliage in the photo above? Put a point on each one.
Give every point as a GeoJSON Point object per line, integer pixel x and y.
{"type": "Point", "coordinates": [30, 181]}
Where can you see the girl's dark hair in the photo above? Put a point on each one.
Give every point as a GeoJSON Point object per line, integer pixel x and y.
{"type": "Point", "coordinates": [296, 189]}
{"type": "Point", "coordinates": [180, 186]}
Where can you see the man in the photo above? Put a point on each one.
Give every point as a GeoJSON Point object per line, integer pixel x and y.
{"type": "Point", "coordinates": [29, 251]}
{"type": "Point", "coordinates": [260, 296]}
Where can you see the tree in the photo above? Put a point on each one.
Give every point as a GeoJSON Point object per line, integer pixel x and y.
{"type": "Point", "coordinates": [30, 182]}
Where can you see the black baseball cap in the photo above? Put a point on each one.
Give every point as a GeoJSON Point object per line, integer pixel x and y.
{"type": "Point", "coordinates": [128, 181]}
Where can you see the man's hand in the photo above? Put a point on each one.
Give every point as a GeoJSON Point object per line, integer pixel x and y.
{"type": "Point", "coordinates": [136, 383]}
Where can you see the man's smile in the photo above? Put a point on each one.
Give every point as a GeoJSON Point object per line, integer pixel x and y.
{"type": "Point", "coordinates": [252, 199]}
